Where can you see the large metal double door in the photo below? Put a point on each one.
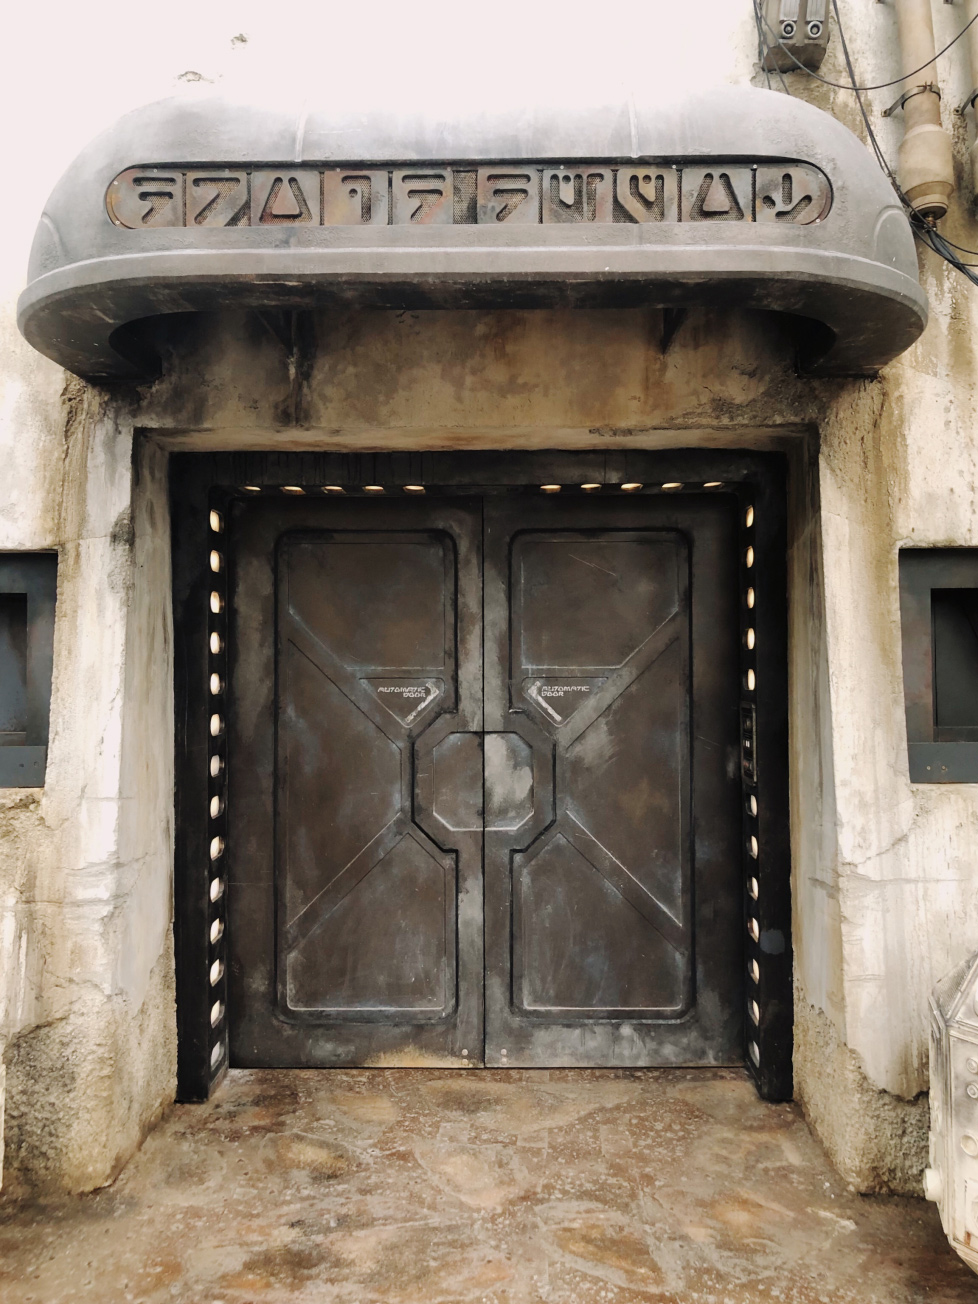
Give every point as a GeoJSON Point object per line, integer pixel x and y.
{"type": "Point", "coordinates": [483, 769]}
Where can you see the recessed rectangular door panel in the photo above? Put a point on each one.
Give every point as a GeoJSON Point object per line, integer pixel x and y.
{"type": "Point", "coordinates": [544, 687]}
{"type": "Point", "coordinates": [365, 943]}
{"type": "Point", "coordinates": [592, 947]}
{"type": "Point", "coordinates": [366, 917]}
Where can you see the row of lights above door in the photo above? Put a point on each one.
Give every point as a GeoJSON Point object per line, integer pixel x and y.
{"type": "Point", "coordinates": [630, 486]}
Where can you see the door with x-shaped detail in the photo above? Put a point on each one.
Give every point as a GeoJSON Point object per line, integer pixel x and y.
{"type": "Point", "coordinates": [355, 769]}
{"type": "Point", "coordinates": [465, 770]}
{"type": "Point", "coordinates": [592, 953]}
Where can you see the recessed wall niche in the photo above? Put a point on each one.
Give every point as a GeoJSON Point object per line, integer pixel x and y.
{"type": "Point", "coordinates": [28, 585]}
{"type": "Point", "coordinates": [939, 618]}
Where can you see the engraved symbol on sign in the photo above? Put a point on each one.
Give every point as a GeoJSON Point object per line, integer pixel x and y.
{"type": "Point", "coordinates": [407, 699]}
{"type": "Point", "coordinates": [361, 188]}
{"type": "Point", "coordinates": [577, 195]}
{"type": "Point", "coordinates": [141, 197]}
{"type": "Point", "coordinates": [423, 198]}
{"type": "Point", "coordinates": [427, 198]}
{"type": "Point", "coordinates": [285, 203]}
{"type": "Point", "coordinates": [799, 195]}
{"type": "Point", "coordinates": [716, 200]}
{"type": "Point", "coordinates": [647, 195]}
{"type": "Point", "coordinates": [220, 200]}
{"type": "Point", "coordinates": [790, 212]}
{"type": "Point", "coordinates": [356, 198]}
{"type": "Point", "coordinates": [508, 196]}
{"type": "Point", "coordinates": [158, 200]}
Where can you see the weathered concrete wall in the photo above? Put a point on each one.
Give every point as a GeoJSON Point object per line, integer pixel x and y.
{"type": "Point", "coordinates": [897, 467]}
{"type": "Point", "coordinates": [88, 1010]}
{"type": "Point", "coordinates": [540, 378]}
{"type": "Point", "coordinates": [885, 873]}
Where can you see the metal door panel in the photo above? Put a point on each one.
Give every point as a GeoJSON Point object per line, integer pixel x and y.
{"type": "Point", "coordinates": [601, 905]}
{"type": "Point", "coordinates": [592, 758]}
{"type": "Point", "coordinates": [362, 945]}
{"type": "Point", "coordinates": [592, 904]}
{"type": "Point", "coordinates": [366, 636]}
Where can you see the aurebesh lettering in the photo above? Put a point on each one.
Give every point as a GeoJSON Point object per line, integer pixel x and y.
{"type": "Point", "coordinates": [436, 194]}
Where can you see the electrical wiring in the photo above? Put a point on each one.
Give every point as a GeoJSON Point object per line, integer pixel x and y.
{"type": "Point", "coordinates": [850, 69]}
{"type": "Point", "coordinates": [962, 249]}
{"type": "Point", "coordinates": [934, 241]}
{"type": "Point", "coordinates": [925, 231]}
{"type": "Point", "coordinates": [879, 86]}
{"type": "Point", "coordinates": [762, 48]}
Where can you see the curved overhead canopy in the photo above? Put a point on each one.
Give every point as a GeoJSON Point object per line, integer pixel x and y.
{"type": "Point", "coordinates": [741, 197]}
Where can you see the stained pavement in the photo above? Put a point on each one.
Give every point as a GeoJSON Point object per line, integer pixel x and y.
{"type": "Point", "coordinates": [563, 1187]}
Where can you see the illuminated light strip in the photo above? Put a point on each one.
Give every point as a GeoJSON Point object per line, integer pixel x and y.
{"type": "Point", "coordinates": [216, 684]}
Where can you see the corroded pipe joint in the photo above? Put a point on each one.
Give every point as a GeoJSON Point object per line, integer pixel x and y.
{"type": "Point", "coordinates": [926, 168]}
{"type": "Point", "coordinates": [925, 165]}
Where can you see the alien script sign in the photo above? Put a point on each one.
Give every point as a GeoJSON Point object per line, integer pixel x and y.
{"type": "Point", "coordinates": [436, 195]}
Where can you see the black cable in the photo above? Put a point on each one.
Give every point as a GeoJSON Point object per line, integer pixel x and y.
{"type": "Point", "coordinates": [761, 46]}
{"type": "Point", "coordinates": [880, 156]}
{"type": "Point", "coordinates": [941, 246]}
{"type": "Point", "coordinates": [924, 230]}
{"type": "Point", "coordinates": [853, 87]}
{"type": "Point", "coordinates": [764, 49]}
{"type": "Point", "coordinates": [880, 86]}
{"type": "Point", "coordinates": [933, 239]}
{"type": "Point", "coordinates": [960, 248]}
{"type": "Point", "coordinates": [761, 49]}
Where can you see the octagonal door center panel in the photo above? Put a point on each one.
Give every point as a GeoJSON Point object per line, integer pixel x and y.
{"type": "Point", "coordinates": [483, 769]}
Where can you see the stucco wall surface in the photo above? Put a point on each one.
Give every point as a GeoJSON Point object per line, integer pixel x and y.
{"type": "Point", "coordinates": [885, 872]}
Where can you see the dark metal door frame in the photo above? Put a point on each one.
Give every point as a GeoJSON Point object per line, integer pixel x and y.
{"type": "Point", "coordinates": [203, 489]}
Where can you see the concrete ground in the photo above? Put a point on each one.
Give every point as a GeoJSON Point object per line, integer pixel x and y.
{"type": "Point", "coordinates": [500, 1186]}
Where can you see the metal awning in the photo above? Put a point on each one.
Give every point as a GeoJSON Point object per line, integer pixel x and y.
{"type": "Point", "coordinates": [736, 197]}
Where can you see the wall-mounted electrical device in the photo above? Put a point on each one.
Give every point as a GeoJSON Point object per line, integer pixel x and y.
{"type": "Point", "coordinates": [795, 32]}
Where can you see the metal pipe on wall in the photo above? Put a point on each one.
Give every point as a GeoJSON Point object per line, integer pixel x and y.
{"type": "Point", "coordinates": [971, 36]}
{"type": "Point", "coordinates": [925, 165]}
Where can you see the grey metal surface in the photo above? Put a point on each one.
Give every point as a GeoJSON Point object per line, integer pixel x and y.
{"type": "Point", "coordinates": [356, 846]}
{"type": "Point", "coordinates": [942, 747]}
{"type": "Point", "coordinates": [22, 767]}
{"type": "Point", "coordinates": [613, 900]}
{"type": "Point", "coordinates": [955, 620]}
{"type": "Point", "coordinates": [354, 876]}
{"type": "Point", "coordinates": [399, 795]}
{"type": "Point", "coordinates": [28, 589]}
{"type": "Point", "coordinates": [794, 32]}
{"type": "Point", "coordinates": [366, 901]}
{"type": "Point", "coordinates": [247, 207]}
{"type": "Point", "coordinates": [13, 669]}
